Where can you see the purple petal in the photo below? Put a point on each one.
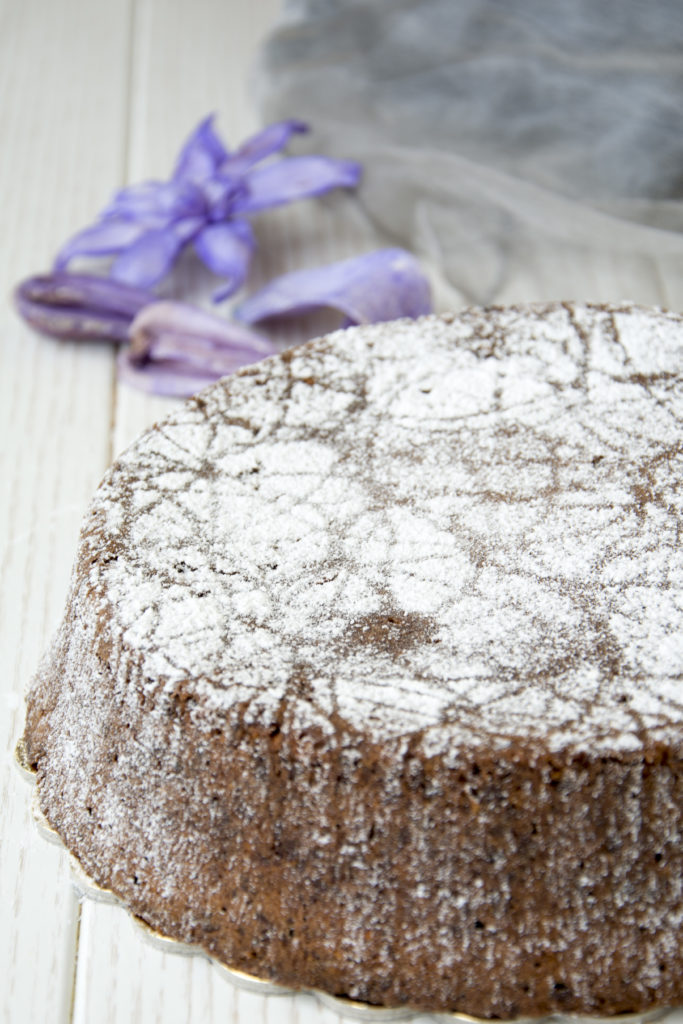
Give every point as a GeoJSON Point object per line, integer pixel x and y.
{"type": "Point", "coordinates": [381, 285]}
{"type": "Point", "coordinates": [85, 290]}
{"type": "Point", "coordinates": [176, 349]}
{"type": "Point", "coordinates": [187, 229]}
{"type": "Point", "coordinates": [148, 259]}
{"type": "Point", "coordinates": [226, 250]}
{"type": "Point", "coordinates": [221, 193]}
{"type": "Point", "coordinates": [296, 177]}
{"type": "Point", "coordinates": [80, 306]}
{"type": "Point", "coordinates": [155, 203]}
{"type": "Point", "coordinates": [202, 154]}
{"type": "Point", "coordinates": [272, 139]}
{"type": "Point", "coordinates": [101, 239]}
{"type": "Point", "coordinates": [170, 378]}
{"type": "Point", "coordinates": [74, 324]}
{"type": "Point", "coordinates": [177, 330]}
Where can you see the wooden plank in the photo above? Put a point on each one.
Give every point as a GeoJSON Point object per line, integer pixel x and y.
{"type": "Point", "coordinates": [62, 123]}
{"type": "Point", "coordinates": [190, 61]}
{"type": "Point", "coordinates": [121, 978]}
{"type": "Point", "coordinates": [129, 980]}
{"type": "Point", "coordinates": [187, 61]}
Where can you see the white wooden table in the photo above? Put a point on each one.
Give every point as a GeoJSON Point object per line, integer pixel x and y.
{"type": "Point", "coordinates": [94, 95]}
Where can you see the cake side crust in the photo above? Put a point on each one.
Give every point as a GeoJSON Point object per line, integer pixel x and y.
{"type": "Point", "coordinates": [513, 849]}
{"type": "Point", "coordinates": [500, 883]}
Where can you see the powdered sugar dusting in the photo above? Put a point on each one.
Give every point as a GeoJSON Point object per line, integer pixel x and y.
{"type": "Point", "coordinates": [468, 528]}
{"type": "Point", "coordinates": [435, 538]}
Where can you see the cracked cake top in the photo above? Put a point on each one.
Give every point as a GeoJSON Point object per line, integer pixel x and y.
{"type": "Point", "coordinates": [459, 530]}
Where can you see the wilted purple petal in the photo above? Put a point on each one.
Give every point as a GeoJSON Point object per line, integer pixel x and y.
{"type": "Point", "coordinates": [381, 285]}
{"type": "Point", "coordinates": [170, 378]}
{"type": "Point", "coordinates": [188, 228]}
{"type": "Point", "coordinates": [176, 328]}
{"type": "Point", "coordinates": [296, 177]}
{"type": "Point", "coordinates": [101, 239]}
{"type": "Point", "coordinates": [155, 202]}
{"type": "Point", "coordinates": [80, 306]}
{"type": "Point", "coordinates": [176, 349]}
{"type": "Point", "coordinates": [202, 154]}
{"type": "Point", "coordinates": [266, 142]}
{"type": "Point", "coordinates": [148, 259]}
{"type": "Point", "coordinates": [222, 192]}
{"type": "Point", "coordinates": [85, 290]}
{"type": "Point", "coordinates": [226, 250]}
{"type": "Point", "coordinates": [74, 324]}
{"type": "Point", "coordinates": [146, 226]}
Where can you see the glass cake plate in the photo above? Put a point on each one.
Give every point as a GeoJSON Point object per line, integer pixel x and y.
{"type": "Point", "coordinates": [86, 887]}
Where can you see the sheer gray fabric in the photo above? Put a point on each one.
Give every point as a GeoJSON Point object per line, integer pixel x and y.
{"type": "Point", "coordinates": [491, 128]}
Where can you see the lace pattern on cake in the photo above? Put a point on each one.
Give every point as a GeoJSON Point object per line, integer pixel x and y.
{"type": "Point", "coordinates": [466, 528]}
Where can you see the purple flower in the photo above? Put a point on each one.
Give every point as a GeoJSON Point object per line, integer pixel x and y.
{"type": "Point", "coordinates": [177, 349]}
{"type": "Point", "coordinates": [80, 306]}
{"type": "Point", "coordinates": [206, 203]}
{"type": "Point", "coordinates": [382, 285]}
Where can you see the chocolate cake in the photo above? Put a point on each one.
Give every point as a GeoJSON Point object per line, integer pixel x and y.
{"type": "Point", "coordinates": [370, 677]}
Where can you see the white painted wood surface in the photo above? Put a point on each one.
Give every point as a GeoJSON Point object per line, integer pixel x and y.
{"type": "Point", "coordinates": [93, 95]}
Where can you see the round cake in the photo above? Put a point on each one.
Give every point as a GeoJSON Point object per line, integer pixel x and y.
{"type": "Point", "coordinates": [370, 677]}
